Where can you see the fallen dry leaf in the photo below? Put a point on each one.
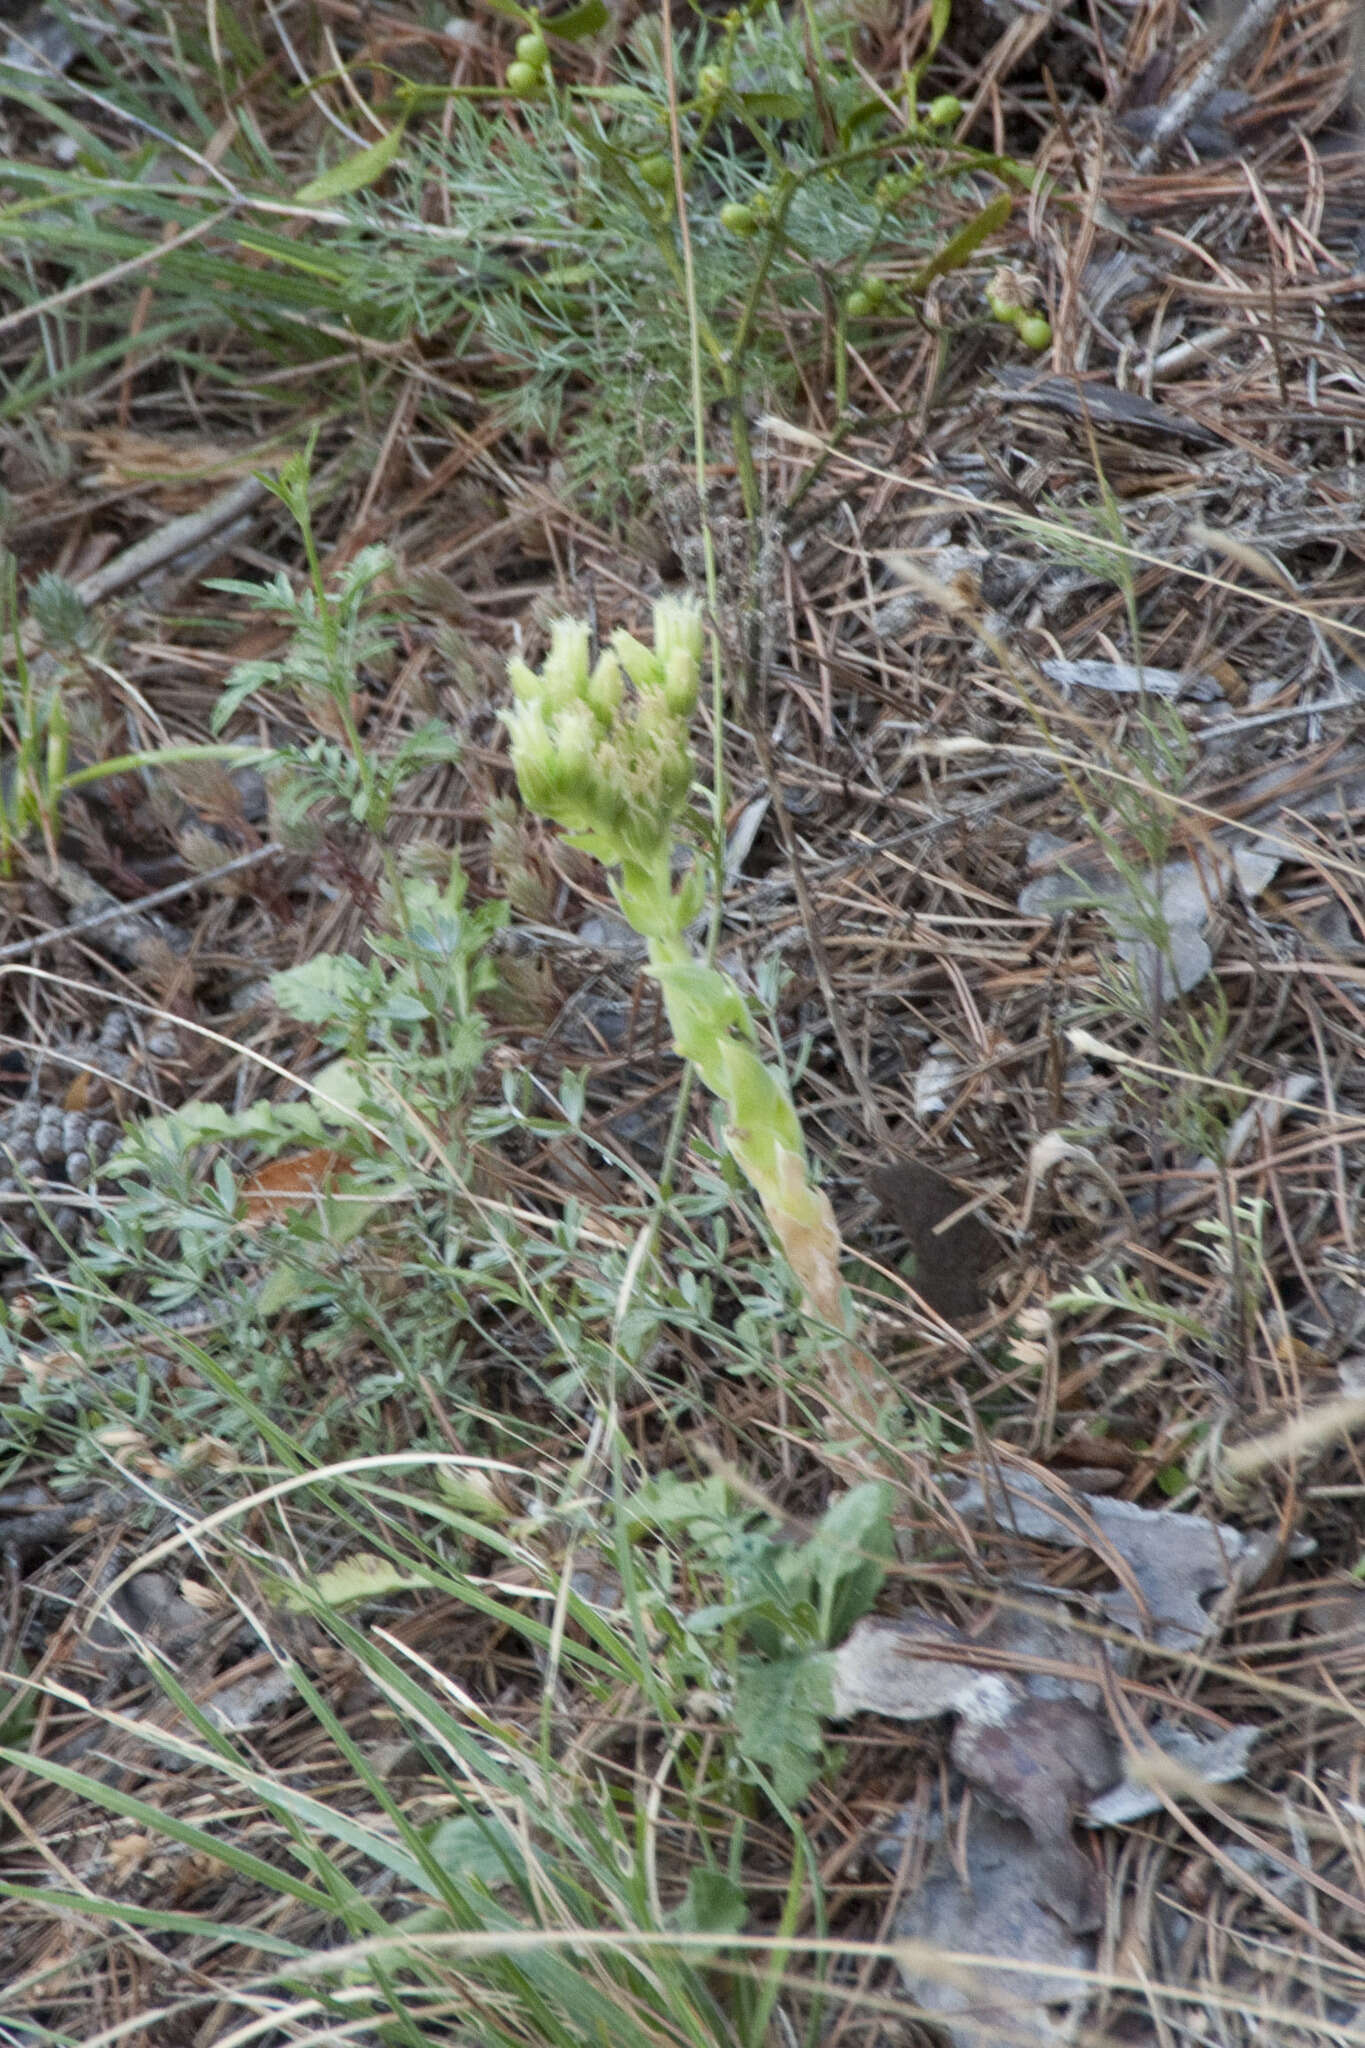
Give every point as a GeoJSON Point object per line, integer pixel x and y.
{"type": "Point", "coordinates": [1125, 679]}
{"type": "Point", "coordinates": [1174, 1565]}
{"type": "Point", "coordinates": [179, 475]}
{"type": "Point", "coordinates": [889, 1667]}
{"type": "Point", "coordinates": [1214, 1759]}
{"type": "Point", "coordinates": [1001, 1917]}
{"type": "Point", "coordinates": [1035, 1743]}
{"type": "Point", "coordinates": [1042, 1761]}
{"type": "Point", "coordinates": [1032, 1736]}
{"type": "Point", "coordinates": [1182, 894]}
{"type": "Point", "coordinates": [951, 1260]}
{"type": "Point", "coordinates": [275, 1192]}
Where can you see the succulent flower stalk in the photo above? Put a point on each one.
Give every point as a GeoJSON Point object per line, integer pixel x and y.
{"type": "Point", "coordinates": [613, 768]}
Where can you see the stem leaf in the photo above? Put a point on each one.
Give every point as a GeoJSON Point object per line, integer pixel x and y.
{"type": "Point", "coordinates": [583, 20]}
{"type": "Point", "coordinates": [965, 242]}
{"type": "Point", "coordinates": [354, 173]}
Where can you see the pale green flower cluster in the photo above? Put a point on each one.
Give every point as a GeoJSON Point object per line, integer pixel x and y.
{"type": "Point", "coordinates": [612, 766]}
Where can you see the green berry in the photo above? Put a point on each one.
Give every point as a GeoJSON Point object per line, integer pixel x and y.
{"type": "Point", "coordinates": [656, 171]}
{"type": "Point", "coordinates": [1035, 330]}
{"type": "Point", "coordinates": [859, 305]}
{"type": "Point", "coordinates": [533, 49]}
{"type": "Point", "coordinates": [738, 219]}
{"type": "Point", "coordinates": [524, 79]}
{"type": "Point", "coordinates": [945, 111]}
{"type": "Point", "coordinates": [874, 289]}
{"type": "Point", "coordinates": [892, 189]}
{"type": "Point", "coordinates": [710, 82]}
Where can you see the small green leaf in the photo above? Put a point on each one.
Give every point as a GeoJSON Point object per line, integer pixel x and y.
{"type": "Point", "coordinates": [470, 1847]}
{"type": "Point", "coordinates": [851, 1549]}
{"type": "Point", "coordinates": [18, 1709]}
{"type": "Point", "coordinates": [362, 1576]}
{"type": "Point", "coordinates": [246, 679]}
{"type": "Point", "coordinates": [862, 114]}
{"type": "Point", "coordinates": [584, 20]}
{"type": "Point", "coordinates": [194, 1123]}
{"type": "Point", "coordinates": [354, 172]}
{"type": "Point", "coordinates": [714, 1904]}
{"type": "Point", "coordinates": [321, 988]}
{"type": "Point", "coordinates": [700, 1507]}
{"type": "Point", "coordinates": [964, 243]}
{"type": "Point", "coordinates": [471, 1493]}
{"type": "Point", "coordinates": [573, 1097]}
{"type": "Point", "coordinates": [772, 106]}
{"type": "Point", "coordinates": [281, 1290]}
{"type": "Point", "coordinates": [339, 1086]}
{"type": "Point", "coordinates": [779, 1708]}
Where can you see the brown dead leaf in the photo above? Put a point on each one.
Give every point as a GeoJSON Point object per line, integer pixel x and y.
{"type": "Point", "coordinates": [950, 1259]}
{"type": "Point", "coordinates": [1034, 1742]}
{"type": "Point", "coordinates": [1176, 1761]}
{"type": "Point", "coordinates": [179, 475]}
{"type": "Point", "coordinates": [126, 1856]}
{"type": "Point", "coordinates": [1336, 1615]}
{"type": "Point", "coordinates": [77, 1096]}
{"type": "Point", "coordinates": [912, 1669]}
{"type": "Point", "coordinates": [274, 1192]}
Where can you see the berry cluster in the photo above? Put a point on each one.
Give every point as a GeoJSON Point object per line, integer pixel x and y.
{"type": "Point", "coordinates": [527, 73]}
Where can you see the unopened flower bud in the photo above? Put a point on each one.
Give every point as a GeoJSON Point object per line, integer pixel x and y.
{"type": "Point", "coordinates": [639, 662]}
{"type": "Point", "coordinates": [1034, 330]}
{"type": "Point", "coordinates": [895, 187]}
{"type": "Point", "coordinates": [531, 750]}
{"type": "Point", "coordinates": [574, 743]}
{"type": "Point", "coordinates": [1011, 291]}
{"type": "Point", "coordinates": [564, 677]}
{"type": "Point", "coordinates": [677, 629]}
{"type": "Point", "coordinates": [738, 219]}
{"type": "Point", "coordinates": [675, 781]}
{"type": "Point", "coordinates": [691, 894]}
{"type": "Point", "coordinates": [525, 682]}
{"type": "Point", "coordinates": [605, 688]}
{"type": "Point", "coordinates": [680, 683]}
